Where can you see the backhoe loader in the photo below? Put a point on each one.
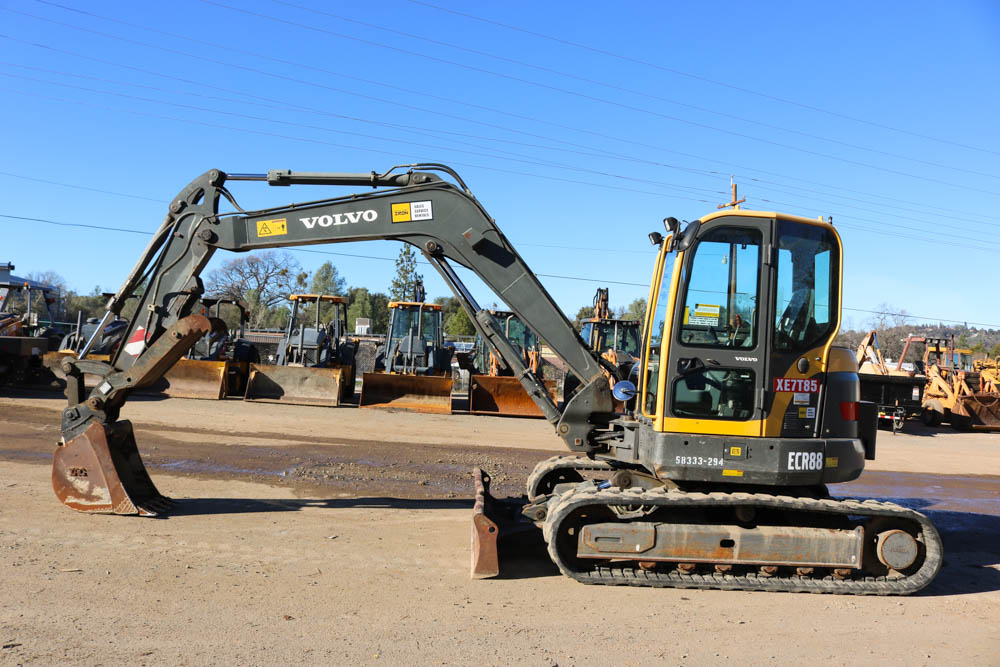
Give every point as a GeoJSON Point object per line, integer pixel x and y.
{"type": "Point", "coordinates": [953, 393]}
{"type": "Point", "coordinates": [218, 364]}
{"type": "Point", "coordinates": [617, 341]}
{"type": "Point", "coordinates": [315, 364]}
{"type": "Point", "coordinates": [718, 479]}
{"type": "Point", "coordinates": [413, 367]}
{"type": "Point", "coordinates": [493, 390]}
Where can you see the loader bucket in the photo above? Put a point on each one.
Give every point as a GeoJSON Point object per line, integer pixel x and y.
{"type": "Point", "coordinates": [195, 379]}
{"type": "Point", "coordinates": [417, 393]}
{"type": "Point", "coordinates": [504, 396]}
{"type": "Point", "coordinates": [296, 385]}
{"type": "Point", "coordinates": [485, 558]}
{"type": "Point", "coordinates": [101, 471]}
{"type": "Point", "coordinates": [979, 412]}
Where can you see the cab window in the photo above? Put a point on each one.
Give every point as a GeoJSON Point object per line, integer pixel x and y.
{"type": "Point", "coordinates": [720, 306]}
{"type": "Point", "coordinates": [657, 321]}
{"type": "Point", "coordinates": [805, 286]}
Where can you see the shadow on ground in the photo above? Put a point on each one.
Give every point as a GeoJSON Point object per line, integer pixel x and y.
{"type": "Point", "coordinates": [971, 540]}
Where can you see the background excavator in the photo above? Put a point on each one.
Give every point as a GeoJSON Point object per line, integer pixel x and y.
{"type": "Point", "coordinates": [897, 393]}
{"type": "Point", "coordinates": [412, 367]}
{"type": "Point", "coordinates": [493, 389]}
{"type": "Point", "coordinates": [25, 339]}
{"type": "Point", "coordinates": [315, 360]}
{"type": "Point", "coordinates": [718, 479]}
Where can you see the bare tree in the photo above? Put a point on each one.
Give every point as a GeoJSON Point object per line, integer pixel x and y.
{"type": "Point", "coordinates": [264, 280]}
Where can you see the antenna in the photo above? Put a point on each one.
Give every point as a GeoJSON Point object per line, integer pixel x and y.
{"type": "Point", "coordinates": [734, 203]}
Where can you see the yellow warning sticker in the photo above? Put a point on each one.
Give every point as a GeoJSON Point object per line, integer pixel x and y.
{"type": "Point", "coordinates": [736, 451]}
{"type": "Point", "coordinates": [732, 473]}
{"type": "Point", "coordinates": [832, 461]}
{"type": "Point", "coordinates": [276, 227]}
{"type": "Point", "coordinates": [802, 413]}
{"type": "Point", "coordinates": [401, 212]}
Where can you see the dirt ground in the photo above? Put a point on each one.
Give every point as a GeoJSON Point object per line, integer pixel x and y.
{"type": "Point", "coordinates": [320, 535]}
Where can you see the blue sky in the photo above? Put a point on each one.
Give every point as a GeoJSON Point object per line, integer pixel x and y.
{"type": "Point", "coordinates": [579, 126]}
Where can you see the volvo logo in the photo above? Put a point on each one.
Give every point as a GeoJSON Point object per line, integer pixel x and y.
{"type": "Point", "coordinates": [351, 217]}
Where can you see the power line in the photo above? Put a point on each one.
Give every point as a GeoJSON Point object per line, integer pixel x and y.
{"type": "Point", "coordinates": [545, 275]}
{"type": "Point", "coordinates": [316, 252]}
{"type": "Point", "coordinates": [492, 73]}
{"type": "Point", "coordinates": [618, 88]}
{"type": "Point", "coordinates": [705, 79]}
{"type": "Point", "coordinates": [410, 91]}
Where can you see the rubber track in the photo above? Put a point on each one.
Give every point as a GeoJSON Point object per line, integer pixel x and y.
{"type": "Point", "coordinates": [580, 463]}
{"type": "Point", "coordinates": [634, 576]}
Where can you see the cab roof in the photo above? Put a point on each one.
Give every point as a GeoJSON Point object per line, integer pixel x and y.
{"type": "Point", "coordinates": [414, 304]}
{"type": "Point", "coordinates": [318, 297]}
{"type": "Point", "coordinates": [747, 213]}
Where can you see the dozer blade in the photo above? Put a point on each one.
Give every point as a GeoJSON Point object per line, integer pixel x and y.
{"type": "Point", "coordinates": [194, 379]}
{"type": "Point", "coordinates": [504, 396]}
{"type": "Point", "coordinates": [297, 385]}
{"type": "Point", "coordinates": [101, 471]}
{"type": "Point", "coordinates": [979, 412]}
{"type": "Point", "coordinates": [417, 393]}
{"type": "Point", "coordinates": [485, 559]}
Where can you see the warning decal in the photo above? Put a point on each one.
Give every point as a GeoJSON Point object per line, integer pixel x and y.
{"type": "Point", "coordinates": [276, 227]}
{"type": "Point", "coordinates": [137, 343]}
{"type": "Point", "coordinates": [706, 315]}
{"type": "Point", "coordinates": [413, 211]}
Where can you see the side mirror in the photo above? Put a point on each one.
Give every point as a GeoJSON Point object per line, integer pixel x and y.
{"type": "Point", "coordinates": [623, 391]}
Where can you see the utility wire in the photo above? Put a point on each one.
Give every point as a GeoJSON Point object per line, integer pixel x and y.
{"type": "Point", "coordinates": [546, 275]}
{"type": "Point", "coordinates": [729, 167]}
{"type": "Point", "coordinates": [595, 82]}
{"type": "Point", "coordinates": [417, 54]}
{"type": "Point", "coordinates": [518, 159]}
{"type": "Point", "coordinates": [705, 79]}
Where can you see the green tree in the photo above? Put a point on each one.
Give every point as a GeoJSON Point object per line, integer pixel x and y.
{"type": "Point", "coordinates": [995, 352]}
{"type": "Point", "coordinates": [456, 321]}
{"type": "Point", "coordinates": [373, 305]}
{"type": "Point", "coordinates": [583, 314]}
{"type": "Point", "coordinates": [263, 280]}
{"type": "Point", "coordinates": [406, 276]}
{"type": "Point", "coordinates": [636, 310]}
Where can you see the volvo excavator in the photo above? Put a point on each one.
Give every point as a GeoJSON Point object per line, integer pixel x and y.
{"type": "Point", "coordinates": [717, 480]}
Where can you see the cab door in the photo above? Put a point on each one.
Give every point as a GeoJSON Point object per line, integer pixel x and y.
{"type": "Point", "coordinates": [716, 367]}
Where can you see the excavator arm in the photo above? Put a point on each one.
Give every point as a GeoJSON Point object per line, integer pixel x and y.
{"type": "Point", "coordinates": [417, 206]}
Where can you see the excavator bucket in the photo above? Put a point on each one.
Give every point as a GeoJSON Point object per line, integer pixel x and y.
{"type": "Point", "coordinates": [297, 385]}
{"type": "Point", "coordinates": [417, 393]}
{"type": "Point", "coordinates": [485, 558]}
{"type": "Point", "coordinates": [504, 396]}
{"type": "Point", "coordinates": [195, 379]}
{"type": "Point", "coordinates": [979, 412]}
{"type": "Point", "coordinates": [100, 471]}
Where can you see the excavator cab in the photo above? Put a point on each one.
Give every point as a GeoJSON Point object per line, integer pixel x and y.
{"type": "Point", "coordinates": [493, 389]}
{"type": "Point", "coordinates": [314, 362]}
{"type": "Point", "coordinates": [413, 366]}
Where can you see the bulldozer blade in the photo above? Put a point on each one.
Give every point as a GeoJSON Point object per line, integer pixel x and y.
{"type": "Point", "coordinates": [194, 379]}
{"type": "Point", "coordinates": [101, 471]}
{"type": "Point", "coordinates": [485, 558]}
{"type": "Point", "coordinates": [297, 385]}
{"type": "Point", "coordinates": [980, 412]}
{"type": "Point", "coordinates": [417, 393]}
{"type": "Point", "coordinates": [504, 396]}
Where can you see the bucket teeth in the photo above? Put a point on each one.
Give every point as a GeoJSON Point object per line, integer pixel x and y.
{"type": "Point", "coordinates": [101, 471]}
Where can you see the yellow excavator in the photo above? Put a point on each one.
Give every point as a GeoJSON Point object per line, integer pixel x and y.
{"type": "Point", "coordinates": [412, 367]}
{"type": "Point", "coordinates": [616, 340]}
{"type": "Point", "coordinates": [315, 361]}
{"type": "Point", "coordinates": [719, 477]}
{"type": "Point", "coordinates": [493, 389]}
